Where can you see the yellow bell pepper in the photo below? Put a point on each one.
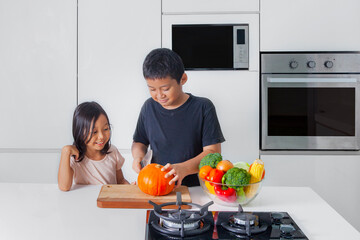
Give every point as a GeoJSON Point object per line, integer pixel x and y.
{"type": "Point", "coordinates": [210, 188]}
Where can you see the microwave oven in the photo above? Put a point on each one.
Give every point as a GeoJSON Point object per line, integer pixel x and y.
{"type": "Point", "coordinates": [212, 46]}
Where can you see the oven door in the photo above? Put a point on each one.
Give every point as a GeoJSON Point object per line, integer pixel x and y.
{"type": "Point", "coordinates": [310, 112]}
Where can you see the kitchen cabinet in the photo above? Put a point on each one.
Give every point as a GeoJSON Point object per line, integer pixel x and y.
{"type": "Point", "coordinates": [114, 39]}
{"type": "Point", "coordinates": [44, 165]}
{"type": "Point", "coordinates": [333, 176]}
{"type": "Point", "coordinates": [234, 94]}
{"type": "Point", "coordinates": [38, 73]}
{"type": "Point", "coordinates": [209, 6]}
{"type": "Point", "coordinates": [36, 166]}
{"type": "Point", "coordinates": [306, 25]}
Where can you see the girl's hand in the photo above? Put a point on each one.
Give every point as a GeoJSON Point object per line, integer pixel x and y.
{"type": "Point", "coordinates": [176, 171]}
{"type": "Point", "coordinates": [71, 150]}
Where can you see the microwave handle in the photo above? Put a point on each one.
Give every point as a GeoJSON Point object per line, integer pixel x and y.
{"type": "Point", "coordinates": [311, 80]}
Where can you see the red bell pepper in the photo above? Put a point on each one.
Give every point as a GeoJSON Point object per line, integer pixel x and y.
{"type": "Point", "coordinates": [227, 195]}
{"type": "Point", "coordinates": [215, 176]}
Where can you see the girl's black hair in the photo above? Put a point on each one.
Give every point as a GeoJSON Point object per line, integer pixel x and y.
{"type": "Point", "coordinates": [85, 114]}
{"type": "Point", "coordinates": [161, 63]}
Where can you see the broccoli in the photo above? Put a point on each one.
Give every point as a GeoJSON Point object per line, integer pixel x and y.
{"type": "Point", "coordinates": [212, 159]}
{"type": "Point", "coordinates": [236, 176]}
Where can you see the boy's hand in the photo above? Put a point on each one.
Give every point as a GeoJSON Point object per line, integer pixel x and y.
{"type": "Point", "coordinates": [176, 171]}
{"type": "Point", "coordinates": [136, 165]}
{"type": "Point", "coordinates": [71, 150]}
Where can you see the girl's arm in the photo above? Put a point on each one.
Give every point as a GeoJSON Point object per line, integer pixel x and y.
{"type": "Point", "coordinates": [65, 174]}
{"type": "Point", "coordinates": [120, 177]}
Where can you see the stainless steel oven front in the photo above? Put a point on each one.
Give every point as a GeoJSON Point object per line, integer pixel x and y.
{"type": "Point", "coordinates": [310, 101]}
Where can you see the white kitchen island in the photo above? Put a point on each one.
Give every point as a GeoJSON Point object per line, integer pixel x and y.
{"type": "Point", "coordinates": [42, 211]}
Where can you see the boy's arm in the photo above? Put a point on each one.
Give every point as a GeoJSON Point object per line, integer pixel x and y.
{"type": "Point", "coordinates": [138, 151]}
{"type": "Point", "coordinates": [191, 166]}
{"type": "Point", "coordinates": [65, 174]}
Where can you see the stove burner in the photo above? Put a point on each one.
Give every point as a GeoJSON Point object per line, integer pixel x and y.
{"type": "Point", "coordinates": [243, 218]}
{"type": "Point", "coordinates": [287, 231]}
{"type": "Point", "coordinates": [175, 226]}
{"type": "Point", "coordinates": [180, 222]}
{"type": "Point", "coordinates": [244, 223]}
{"type": "Point", "coordinates": [277, 217]}
{"type": "Point", "coordinates": [199, 224]}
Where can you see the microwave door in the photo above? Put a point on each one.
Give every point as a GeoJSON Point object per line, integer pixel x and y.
{"type": "Point", "coordinates": [241, 46]}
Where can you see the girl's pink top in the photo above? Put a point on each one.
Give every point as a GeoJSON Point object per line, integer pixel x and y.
{"type": "Point", "coordinates": [103, 171]}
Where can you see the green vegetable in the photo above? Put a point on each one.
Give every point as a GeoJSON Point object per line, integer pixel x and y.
{"type": "Point", "coordinates": [243, 165]}
{"type": "Point", "coordinates": [241, 196]}
{"type": "Point", "coordinates": [212, 159]}
{"type": "Point", "coordinates": [236, 176]}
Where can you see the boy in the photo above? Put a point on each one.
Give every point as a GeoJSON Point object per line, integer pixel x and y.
{"type": "Point", "coordinates": [180, 128]}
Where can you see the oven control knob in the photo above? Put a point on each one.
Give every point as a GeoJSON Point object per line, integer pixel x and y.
{"type": "Point", "coordinates": [311, 64]}
{"type": "Point", "coordinates": [294, 64]}
{"type": "Point", "coordinates": [329, 64]}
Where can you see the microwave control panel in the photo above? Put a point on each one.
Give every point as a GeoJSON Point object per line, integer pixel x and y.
{"type": "Point", "coordinates": [241, 46]}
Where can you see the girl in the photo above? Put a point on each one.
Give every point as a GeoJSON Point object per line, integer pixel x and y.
{"type": "Point", "coordinates": [92, 159]}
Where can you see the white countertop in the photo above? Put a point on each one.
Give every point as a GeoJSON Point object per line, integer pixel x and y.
{"type": "Point", "coordinates": [41, 211]}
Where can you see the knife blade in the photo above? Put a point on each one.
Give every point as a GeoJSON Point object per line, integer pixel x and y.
{"type": "Point", "coordinates": [147, 159]}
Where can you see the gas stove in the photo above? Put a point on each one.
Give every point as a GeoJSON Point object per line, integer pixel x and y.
{"type": "Point", "coordinates": [199, 223]}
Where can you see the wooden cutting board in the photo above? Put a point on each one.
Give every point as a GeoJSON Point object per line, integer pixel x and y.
{"type": "Point", "coordinates": [130, 196]}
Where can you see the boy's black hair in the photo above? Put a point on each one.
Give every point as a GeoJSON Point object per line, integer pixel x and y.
{"type": "Point", "coordinates": [85, 114]}
{"type": "Point", "coordinates": [161, 63]}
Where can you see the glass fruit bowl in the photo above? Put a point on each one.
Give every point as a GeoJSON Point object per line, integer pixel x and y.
{"type": "Point", "coordinates": [239, 194]}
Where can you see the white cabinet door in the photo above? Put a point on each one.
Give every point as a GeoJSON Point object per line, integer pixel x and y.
{"type": "Point", "coordinates": [114, 39]}
{"type": "Point", "coordinates": [235, 95]}
{"type": "Point", "coordinates": [37, 72]}
{"type": "Point", "coordinates": [209, 6]}
{"type": "Point", "coordinates": [307, 25]}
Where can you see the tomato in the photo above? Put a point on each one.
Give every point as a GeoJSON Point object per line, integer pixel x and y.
{"type": "Point", "coordinates": [215, 176]}
{"type": "Point", "coordinates": [204, 171]}
{"type": "Point", "coordinates": [263, 175]}
{"type": "Point", "coordinates": [224, 165]}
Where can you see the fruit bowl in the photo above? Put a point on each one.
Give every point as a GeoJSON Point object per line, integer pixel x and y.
{"type": "Point", "coordinates": [239, 194]}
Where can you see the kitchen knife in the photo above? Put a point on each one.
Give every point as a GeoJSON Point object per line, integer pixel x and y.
{"type": "Point", "coordinates": [147, 159]}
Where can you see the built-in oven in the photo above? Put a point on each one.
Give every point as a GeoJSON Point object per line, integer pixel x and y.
{"type": "Point", "coordinates": [310, 101]}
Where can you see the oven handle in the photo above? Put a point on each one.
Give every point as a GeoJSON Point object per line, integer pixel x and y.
{"type": "Point", "coordinates": [311, 80]}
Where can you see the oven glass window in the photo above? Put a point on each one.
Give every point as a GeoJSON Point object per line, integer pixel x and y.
{"type": "Point", "coordinates": [311, 111]}
{"type": "Point", "coordinates": [204, 46]}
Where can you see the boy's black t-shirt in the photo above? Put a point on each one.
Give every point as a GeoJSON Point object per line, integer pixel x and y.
{"type": "Point", "coordinates": [179, 134]}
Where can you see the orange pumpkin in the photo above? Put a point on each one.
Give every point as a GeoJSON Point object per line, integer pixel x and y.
{"type": "Point", "coordinates": [151, 180]}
